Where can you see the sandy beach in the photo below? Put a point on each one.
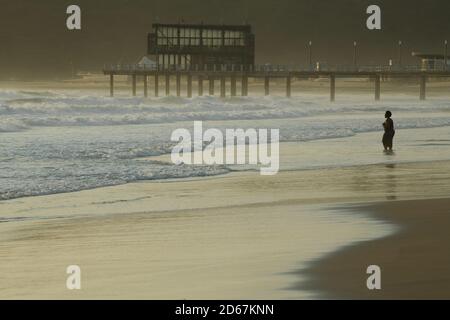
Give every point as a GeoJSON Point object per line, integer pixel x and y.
{"type": "Point", "coordinates": [86, 180]}
{"type": "Point", "coordinates": [414, 261]}
{"type": "Point", "coordinates": [225, 237]}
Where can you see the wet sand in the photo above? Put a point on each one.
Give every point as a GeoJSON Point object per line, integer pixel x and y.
{"type": "Point", "coordinates": [414, 262]}
{"type": "Point", "coordinates": [239, 236]}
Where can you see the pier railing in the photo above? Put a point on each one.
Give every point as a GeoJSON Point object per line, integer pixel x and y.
{"type": "Point", "coordinates": [129, 68]}
{"type": "Point", "coordinates": [233, 73]}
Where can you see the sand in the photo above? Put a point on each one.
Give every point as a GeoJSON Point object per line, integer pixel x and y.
{"type": "Point", "coordinates": [238, 236]}
{"type": "Point", "coordinates": [414, 262]}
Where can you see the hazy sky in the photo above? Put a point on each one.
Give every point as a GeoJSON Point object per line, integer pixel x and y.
{"type": "Point", "coordinates": [34, 40]}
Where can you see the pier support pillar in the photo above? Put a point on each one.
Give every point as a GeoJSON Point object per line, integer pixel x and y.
{"type": "Point", "coordinates": [145, 86]}
{"type": "Point", "coordinates": [244, 87]}
{"type": "Point", "coordinates": [332, 87]}
{"type": "Point", "coordinates": [111, 85]}
{"type": "Point", "coordinates": [288, 86]}
{"type": "Point", "coordinates": [167, 84]}
{"type": "Point", "coordinates": [189, 86]}
{"type": "Point", "coordinates": [133, 84]}
{"type": "Point", "coordinates": [423, 87]}
{"type": "Point", "coordinates": [156, 85]}
{"type": "Point", "coordinates": [377, 87]}
{"type": "Point", "coordinates": [178, 84]}
{"type": "Point", "coordinates": [233, 86]}
{"type": "Point", "coordinates": [200, 86]}
{"type": "Point", "coordinates": [266, 85]}
{"type": "Point", "coordinates": [211, 86]}
{"type": "Point", "coordinates": [222, 87]}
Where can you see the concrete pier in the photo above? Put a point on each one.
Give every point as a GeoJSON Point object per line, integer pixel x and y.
{"type": "Point", "coordinates": [211, 86]}
{"type": "Point", "coordinates": [178, 84]}
{"type": "Point", "coordinates": [223, 73]}
{"type": "Point", "coordinates": [133, 81]}
{"type": "Point", "coordinates": [145, 87]}
{"type": "Point", "coordinates": [244, 86]}
{"type": "Point", "coordinates": [200, 86]}
{"type": "Point", "coordinates": [167, 84]}
{"type": "Point", "coordinates": [222, 87]}
{"type": "Point", "coordinates": [423, 87]}
{"type": "Point", "coordinates": [233, 85]}
{"type": "Point", "coordinates": [189, 86]}
{"type": "Point", "coordinates": [156, 85]}
{"type": "Point", "coordinates": [377, 87]}
{"type": "Point", "coordinates": [288, 86]}
{"type": "Point", "coordinates": [111, 85]}
{"type": "Point", "coordinates": [332, 87]}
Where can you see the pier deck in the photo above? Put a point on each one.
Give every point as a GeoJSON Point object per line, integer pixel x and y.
{"type": "Point", "coordinates": [233, 74]}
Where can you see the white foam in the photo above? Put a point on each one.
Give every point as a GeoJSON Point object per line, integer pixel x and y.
{"type": "Point", "coordinates": [60, 141]}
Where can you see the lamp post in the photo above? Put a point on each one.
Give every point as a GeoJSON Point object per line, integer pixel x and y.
{"type": "Point", "coordinates": [354, 54]}
{"type": "Point", "coordinates": [445, 54]}
{"type": "Point", "coordinates": [310, 54]}
{"type": "Point", "coordinates": [400, 43]}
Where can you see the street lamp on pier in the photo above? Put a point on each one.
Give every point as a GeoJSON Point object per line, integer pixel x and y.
{"type": "Point", "coordinates": [310, 54]}
{"type": "Point", "coordinates": [400, 44]}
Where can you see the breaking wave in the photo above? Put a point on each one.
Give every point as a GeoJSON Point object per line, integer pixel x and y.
{"type": "Point", "coordinates": [54, 142]}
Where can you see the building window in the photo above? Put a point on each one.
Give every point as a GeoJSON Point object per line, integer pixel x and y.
{"type": "Point", "coordinates": [212, 38]}
{"type": "Point", "coordinates": [234, 38]}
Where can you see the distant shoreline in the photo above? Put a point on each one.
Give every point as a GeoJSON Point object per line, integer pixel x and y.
{"type": "Point", "coordinates": [98, 82]}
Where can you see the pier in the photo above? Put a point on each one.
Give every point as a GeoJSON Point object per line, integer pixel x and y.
{"type": "Point", "coordinates": [230, 75]}
{"type": "Point", "coordinates": [211, 54]}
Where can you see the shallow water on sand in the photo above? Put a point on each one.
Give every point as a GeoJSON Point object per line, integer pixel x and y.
{"type": "Point", "coordinates": [236, 236]}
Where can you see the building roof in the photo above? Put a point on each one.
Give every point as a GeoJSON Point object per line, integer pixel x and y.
{"type": "Point", "coordinates": [146, 61]}
{"type": "Point", "coordinates": [245, 27]}
{"type": "Point", "coordinates": [430, 56]}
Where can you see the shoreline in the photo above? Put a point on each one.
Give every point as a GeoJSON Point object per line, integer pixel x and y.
{"type": "Point", "coordinates": [133, 239]}
{"type": "Point", "coordinates": [246, 233]}
{"type": "Point", "coordinates": [414, 260]}
{"type": "Point", "coordinates": [290, 154]}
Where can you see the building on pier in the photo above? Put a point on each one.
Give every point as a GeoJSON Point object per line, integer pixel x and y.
{"type": "Point", "coordinates": [202, 46]}
{"type": "Point", "coordinates": [147, 62]}
{"type": "Point", "coordinates": [432, 61]}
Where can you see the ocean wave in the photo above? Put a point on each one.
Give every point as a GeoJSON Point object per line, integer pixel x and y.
{"type": "Point", "coordinates": [51, 180]}
{"type": "Point", "coordinates": [85, 141]}
{"type": "Point", "coordinates": [311, 104]}
{"type": "Point", "coordinates": [12, 125]}
{"type": "Point", "coordinates": [100, 111]}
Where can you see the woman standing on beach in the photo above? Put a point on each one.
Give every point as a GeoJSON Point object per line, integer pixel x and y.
{"type": "Point", "coordinates": [389, 131]}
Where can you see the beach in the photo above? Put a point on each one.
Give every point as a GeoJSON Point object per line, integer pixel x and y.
{"type": "Point", "coordinates": [224, 237]}
{"type": "Point", "coordinates": [87, 181]}
{"type": "Point", "coordinates": [194, 153]}
{"type": "Point", "coordinates": [415, 261]}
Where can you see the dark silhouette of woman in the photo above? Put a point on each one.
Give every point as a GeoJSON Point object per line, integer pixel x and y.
{"type": "Point", "coordinates": [389, 131]}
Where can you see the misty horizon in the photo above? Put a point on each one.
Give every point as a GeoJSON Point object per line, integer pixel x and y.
{"type": "Point", "coordinates": [36, 43]}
